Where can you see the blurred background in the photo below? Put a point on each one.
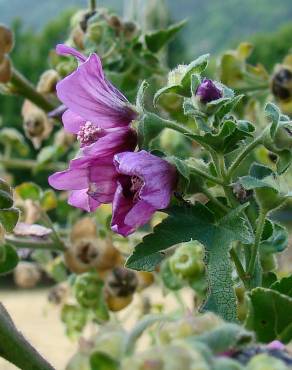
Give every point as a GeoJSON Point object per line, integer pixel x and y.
{"type": "Point", "coordinates": [213, 26]}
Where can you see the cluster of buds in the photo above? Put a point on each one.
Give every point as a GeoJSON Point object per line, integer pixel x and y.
{"type": "Point", "coordinates": [6, 45]}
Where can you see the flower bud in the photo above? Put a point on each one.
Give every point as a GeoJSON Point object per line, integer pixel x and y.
{"type": "Point", "coordinates": [95, 32]}
{"type": "Point", "coordinates": [283, 136]}
{"type": "Point", "coordinates": [77, 35]}
{"type": "Point", "coordinates": [188, 260]}
{"type": "Point", "coordinates": [47, 82]}
{"type": "Point", "coordinates": [88, 290]}
{"type": "Point", "coordinates": [26, 275]}
{"type": "Point", "coordinates": [6, 40]}
{"type": "Point", "coordinates": [37, 126]}
{"type": "Point", "coordinates": [241, 194]}
{"type": "Point", "coordinates": [268, 262]}
{"type": "Point", "coordinates": [207, 91]}
{"type": "Point", "coordinates": [115, 22]}
{"type": "Point", "coordinates": [130, 29]}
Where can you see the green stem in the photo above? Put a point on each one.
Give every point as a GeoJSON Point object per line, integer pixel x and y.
{"type": "Point", "coordinates": [258, 236]}
{"type": "Point", "coordinates": [205, 175]}
{"type": "Point", "coordinates": [19, 242]}
{"type": "Point", "coordinates": [29, 164]}
{"type": "Point", "coordinates": [243, 155]}
{"type": "Point", "coordinates": [177, 127]}
{"type": "Point", "coordinates": [239, 268]}
{"type": "Point", "coordinates": [16, 349]}
{"type": "Point", "coordinates": [26, 89]}
{"type": "Point", "coordinates": [48, 222]}
{"type": "Point", "coordinates": [214, 199]}
{"type": "Point", "coordinates": [92, 5]}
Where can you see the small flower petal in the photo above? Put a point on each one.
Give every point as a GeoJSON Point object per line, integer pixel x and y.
{"type": "Point", "coordinates": [80, 199]}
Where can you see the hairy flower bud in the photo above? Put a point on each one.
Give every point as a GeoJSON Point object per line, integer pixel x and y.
{"type": "Point", "coordinates": [188, 260]}
{"type": "Point", "coordinates": [37, 126]}
{"type": "Point", "coordinates": [207, 91]}
{"type": "Point", "coordinates": [48, 81]}
{"type": "Point", "coordinates": [26, 275]}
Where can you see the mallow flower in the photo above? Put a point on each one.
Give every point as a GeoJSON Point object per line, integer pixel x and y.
{"type": "Point", "coordinates": [145, 184]}
{"type": "Point", "coordinates": [90, 180]}
{"type": "Point", "coordinates": [93, 103]}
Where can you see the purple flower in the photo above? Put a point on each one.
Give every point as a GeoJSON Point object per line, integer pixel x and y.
{"type": "Point", "coordinates": [207, 91]}
{"type": "Point", "coordinates": [91, 180]}
{"type": "Point", "coordinates": [145, 184]}
{"type": "Point", "coordinates": [92, 101]}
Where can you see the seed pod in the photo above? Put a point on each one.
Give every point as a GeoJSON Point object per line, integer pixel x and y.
{"type": "Point", "coordinates": [26, 275]}
{"type": "Point", "coordinates": [121, 282]}
{"type": "Point", "coordinates": [281, 83]}
{"type": "Point", "coordinates": [37, 126]}
{"type": "Point", "coordinates": [188, 260]}
{"type": "Point", "coordinates": [115, 303]}
{"type": "Point", "coordinates": [47, 82]}
{"type": "Point", "coordinates": [145, 279]}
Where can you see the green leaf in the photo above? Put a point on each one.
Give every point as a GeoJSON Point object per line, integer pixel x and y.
{"type": "Point", "coordinates": [102, 361]}
{"type": "Point", "coordinates": [195, 67]}
{"type": "Point", "coordinates": [283, 286]}
{"type": "Point", "coordinates": [10, 260]}
{"type": "Point", "coordinates": [224, 338]}
{"type": "Point", "coordinates": [6, 199]}
{"type": "Point", "coordinates": [268, 279]}
{"type": "Point", "coordinates": [273, 114]}
{"type": "Point", "coordinates": [28, 190]}
{"type": "Point", "coordinates": [172, 89]}
{"type": "Point", "coordinates": [228, 138]}
{"type": "Point", "coordinates": [198, 223]}
{"type": "Point", "coordinates": [140, 96]}
{"type": "Point", "coordinates": [157, 39]}
{"type": "Point", "coordinates": [270, 315]}
{"type": "Point", "coordinates": [277, 242]}
{"type": "Point", "coordinates": [183, 170]}
{"type": "Point", "coordinates": [284, 160]}
{"type": "Point", "coordinates": [150, 126]}
{"type": "Point", "coordinates": [170, 280]}
{"type": "Point", "coordinates": [9, 218]}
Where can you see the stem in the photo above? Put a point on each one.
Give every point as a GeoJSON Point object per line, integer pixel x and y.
{"type": "Point", "coordinates": [59, 242]}
{"type": "Point", "coordinates": [31, 243]}
{"type": "Point", "coordinates": [26, 89]}
{"type": "Point", "coordinates": [29, 164]}
{"type": "Point", "coordinates": [214, 199]}
{"type": "Point", "coordinates": [92, 5]}
{"type": "Point", "coordinates": [177, 127]}
{"type": "Point", "coordinates": [207, 176]}
{"type": "Point", "coordinates": [258, 236]}
{"type": "Point", "coordinates": [16, 349]}
{"type": "Point", "coordinates": [239, 268]}
{"type": "Point", "coordinates": [243, 154]}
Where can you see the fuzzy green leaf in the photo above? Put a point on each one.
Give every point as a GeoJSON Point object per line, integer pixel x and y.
{"type": "Point", "coordinates": [283, 286]}
{"type": "Point", "coordinates": [9, 218]}
{"type": "Point", "coordinates": [10, 259]}
{"type": "Point", "coordinates": [102, 361]}
{"type": "Point", "coordinates": [270, 315]}
{"type": "Point", "coordinates": [198, 223]}
{"type": "Point", "coordinates": [157, 39]}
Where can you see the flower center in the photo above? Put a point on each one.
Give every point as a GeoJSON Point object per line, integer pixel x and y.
{"type": "Point", "coordinates": [88, 133]}
{"type": "Point", "coordinates": [131, 186]}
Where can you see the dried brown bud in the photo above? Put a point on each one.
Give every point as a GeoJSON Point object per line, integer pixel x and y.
{"type": "Point", "coordinates": [5, 70]}
{"type": "Point", "coordinates": [117, 303]}
{"type": "Point", "coordinates": [241, 193]}
{"type": "Point", "coordinates": [6, 40]}
{"type": "Point", "coordinates": [121, 282]}
{"type": "Point", "coordinates": [130, 29]}
{"type": "Point", "coordinates": [37, 126]}
{"type": "Point", "coordinates": [47, 82]}
{"type": "Point", "coordinates": [26, 275]}
{"type": "Point", "coordinates": [115, 22]}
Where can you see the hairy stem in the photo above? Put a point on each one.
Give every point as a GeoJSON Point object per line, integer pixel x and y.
{"type": "Point", "coordinates": [30, 164]}
{"type": "Point", "coordinates": [24, 242]}
{"type": "Point", "coordinates": [26, 89]}
{"type": "Point", "coordinates": [246, 151]}
{"type": "Point", "coordinates": [258, 236]}
{"type": "Point", "coordinates": [239, 268]}
{"type": "Point", "coordinates": [16, 349]}
{"type": "Point", "coordinates": [206, 175]}
{"type": "Point", "coordinates": [214, 199]}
